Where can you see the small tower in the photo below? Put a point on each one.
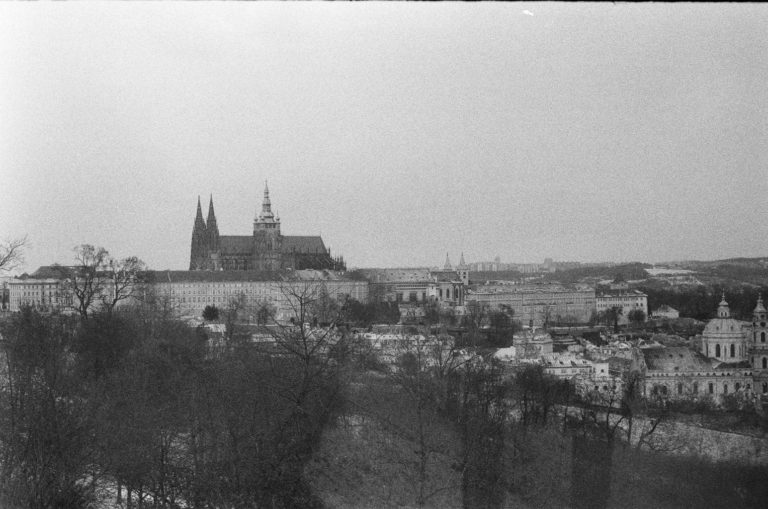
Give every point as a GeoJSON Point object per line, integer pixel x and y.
{"type": "Point", "coordinates": [266, 237]}
{"type": "Point", "coordinates": [199, 251]}
{"type": "Point", "coordinates": [463, 270]}
{"type": "Point", "coordinates": [447, 265]}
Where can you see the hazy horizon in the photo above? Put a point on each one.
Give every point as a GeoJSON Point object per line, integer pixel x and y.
{"type": "Point", "coordinates": [397, 131]}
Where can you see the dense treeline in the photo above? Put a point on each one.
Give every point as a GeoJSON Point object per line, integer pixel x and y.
{"type": "Point", "coordinates": [701, 302]}
{"type": "Point", "coordinates": [139, 407]}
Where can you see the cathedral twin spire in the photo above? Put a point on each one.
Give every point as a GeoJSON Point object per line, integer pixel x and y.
{"type": "Point", "coordinates": [209, 225]}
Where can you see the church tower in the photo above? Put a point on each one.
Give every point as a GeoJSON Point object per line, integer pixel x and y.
{"type": "Point", "coordinates": [463, 270]}
{"type": "Point", "coordinates": [212, 239]}
{"type": "Point", "coordinates": [267, 239]}
{"type": "Point", "coordinates": [199, 252]}
{"type": "Point", "coordinates": [760, 347]}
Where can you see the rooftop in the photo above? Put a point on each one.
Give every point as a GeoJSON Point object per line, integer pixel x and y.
{"type": "Point", "coordinates": [676, 358]}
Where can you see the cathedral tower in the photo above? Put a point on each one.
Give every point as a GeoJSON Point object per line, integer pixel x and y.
{"type": "Point", "coordinates": [267, 239]}
{"type": "Point", "coordinates": [212, 238]}
{"type": "Point", "coordinates": [199, 251]}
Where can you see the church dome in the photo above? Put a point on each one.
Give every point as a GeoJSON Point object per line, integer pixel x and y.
{"type": "Point", "coordinates": [724, 337]}
{"type": "Point", "coordinates": [723, 326]}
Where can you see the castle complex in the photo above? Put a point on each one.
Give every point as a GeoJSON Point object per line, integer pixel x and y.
{"type": "Point", "coordinates": [266, 250]}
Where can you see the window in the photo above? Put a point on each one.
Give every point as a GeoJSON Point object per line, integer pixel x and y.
{"type": "Point", "coordinates": [695, 387]}
{"type": "Point", "coordinates": [733, 350]}
{"type": "Point", "coordinates": [762, 337]}
{"type": "Point", "coordinates": [679, 388]}
{"type": "Point", "coordinates": [717, 350]}
{"type": "Point", "coordinates": [711, 388]}
{"type": "Point", "coordinates": [765, 387]}
{"type": "Point", "coordinates": [765, 363]}
{"type": "Point", "coordinates": [725, 388]}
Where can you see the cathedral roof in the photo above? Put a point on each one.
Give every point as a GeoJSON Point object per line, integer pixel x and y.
{"type": "Point", "coordinates": [303, 244]}
{"type": "Point", "coordinates": [236, 244]}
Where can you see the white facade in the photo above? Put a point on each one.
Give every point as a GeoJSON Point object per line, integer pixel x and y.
{"type": "Point", "coordinates": [626, 300]}
{"type": "Point", "coordinates": [190, 296]}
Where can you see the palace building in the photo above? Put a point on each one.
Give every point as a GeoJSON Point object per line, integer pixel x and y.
{"type": "Point", "coordinates": [267, 249]}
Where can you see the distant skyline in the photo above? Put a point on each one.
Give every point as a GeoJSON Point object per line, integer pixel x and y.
{"type": "Point", "coordinates": [397, 131]}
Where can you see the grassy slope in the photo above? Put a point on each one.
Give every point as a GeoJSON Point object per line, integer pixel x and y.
{"type": "Point", "coordinates": [361, 464]}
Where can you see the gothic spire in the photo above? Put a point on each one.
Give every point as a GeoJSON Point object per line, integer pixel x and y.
{"type": "Point", "coordinates": [447, 265]}
{"type": "Point", "coordinates": [211, 221]}
{"type": "Point", "coordinates": [266, 205]}
{"type": "Point", "coordinates": [212, 230]}
{"type": "Point", "coordinates": [462, 263]}
{"type": "Point", "coordinates": [199, 223]}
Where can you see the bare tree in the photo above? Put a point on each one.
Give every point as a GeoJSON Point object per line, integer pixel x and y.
{"type": "Point", "coordinates": [86, 282]}
{"type": "Point", "coordinates": [123, 280]}
{"type": "Point", "coordinates": [11, 253]}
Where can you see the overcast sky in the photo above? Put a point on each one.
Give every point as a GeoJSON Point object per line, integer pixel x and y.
{"type": "Point", "coordinates": [398, 131]}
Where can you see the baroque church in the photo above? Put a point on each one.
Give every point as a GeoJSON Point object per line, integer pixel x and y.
{"type": "Point", "coordinates": [732, 359]}
{"type": "Point", "coordinates": [266, 250]}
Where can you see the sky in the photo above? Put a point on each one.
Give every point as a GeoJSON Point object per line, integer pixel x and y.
{"type": "Point", "coordinates": [398, 131]}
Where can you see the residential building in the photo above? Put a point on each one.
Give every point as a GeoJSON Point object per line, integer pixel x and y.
{"type": "Point", "coordinates": [623, 298]}
{"type": "Point", "coordinates": [665, 312]}
{"type": "Point", "coordinates": [537, 304]}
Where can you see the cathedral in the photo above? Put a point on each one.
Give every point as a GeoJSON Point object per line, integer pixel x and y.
{"type": "Point", "coordinates": [266, 250]}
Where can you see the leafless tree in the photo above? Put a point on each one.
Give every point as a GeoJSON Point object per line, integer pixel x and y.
{"type": "Point", "coordinates": [12, 253]}
{"type": "Point", "coordinates": [123, 280]}
{"type": "Point", "coordinates": [86, 282]}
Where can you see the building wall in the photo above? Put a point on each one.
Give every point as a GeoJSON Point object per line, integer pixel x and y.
{"type": "Point", "coordinates": [627, 301]}
{"type": "Point", "coordinates": [191, 297]}
{"type": "Point", "coordinates": [534, 303]}
{"type": "Point", "coordinates": [683, 385]}
{"type": "Point", "coordinates": [44, 294]}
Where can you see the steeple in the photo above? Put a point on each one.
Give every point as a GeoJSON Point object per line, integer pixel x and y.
{"type": "Point", "coordinates": [266, 205]}
{"type": "Point", "coordinates": [211, 221]}
{"type": "Point", "coordinates": [199, 223]}
{"type": "Point", "coordinates": [447, 265]}
{"type": "Point", "coordinates": [198, 251]}
{"type": "Point", "coordinates": [212, 229]}
{"type": "Point", "coordinates": [462, 263]}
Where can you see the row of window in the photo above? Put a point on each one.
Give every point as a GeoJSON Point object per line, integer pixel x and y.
{"type": "Point", "coordinates": [710, 388]}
